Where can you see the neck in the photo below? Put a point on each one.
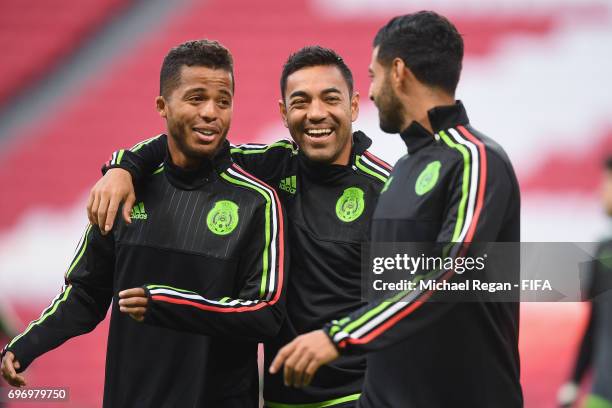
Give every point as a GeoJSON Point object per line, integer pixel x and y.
{"type": "Point", "coordinates": [345, 155]}
{"type": "Point", "coordinates": [179, 158]}
{"type": "Point", "coordinates": [417, 106]}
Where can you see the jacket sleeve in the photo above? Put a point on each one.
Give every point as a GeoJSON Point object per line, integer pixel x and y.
{"type": "Point", "coordinates": [256, 309]}
{"type": "Point", "coordinates": [479, 190]}
{"type": "Point", "coordinates": [141, 160]}
{"type": "Point", "coordinates": [261, 160]}
{"type": "Point", "coordinates": [79, 307]}
{"type": "Point", "coordinates": [264, 161]}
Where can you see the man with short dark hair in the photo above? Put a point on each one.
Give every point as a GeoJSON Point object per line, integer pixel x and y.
{"type": "Point", "coordinates": [455, 186]}
{"type": "Point", "coordinates": [329, 183]}
{"type": "Point", "coordinates": [207, 237]}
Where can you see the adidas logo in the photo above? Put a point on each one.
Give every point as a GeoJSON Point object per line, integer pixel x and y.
{"type": "Point", "coordinates": [139, 212]}
{"type": "Point", "coordinates": [288, 184]}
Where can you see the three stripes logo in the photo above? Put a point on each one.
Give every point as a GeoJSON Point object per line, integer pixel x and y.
{"type": "Point", "coordinates": [139, 212]}
{"type": "Point", "coordinates": [289, 184]}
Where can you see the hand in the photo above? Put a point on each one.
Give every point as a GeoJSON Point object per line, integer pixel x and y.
{"type": "Point", "coordinates": [133, 302]}
{"type": "Point", "coordinates": [105, 197]}
{"type": "Point", "coordinates": [303, 357]}
{"type": "Point", "coordinates": [9, 367]}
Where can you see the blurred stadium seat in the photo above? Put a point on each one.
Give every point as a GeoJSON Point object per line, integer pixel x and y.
{"type": "Point", "coordinates": [37, 35]}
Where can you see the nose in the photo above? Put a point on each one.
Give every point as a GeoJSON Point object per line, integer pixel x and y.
{"type": "Point", "coordinates": [316, 111]}
{"type": "Point", "coordinates": [208, 111]}
{"type": "Point", "coordinates": [371, 93]}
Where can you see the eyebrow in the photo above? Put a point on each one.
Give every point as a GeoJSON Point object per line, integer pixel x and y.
{"type": "Point", "coordinates": [331, 90]}
{"type": "Point", "coordinates": [298, 94]}
{"type": "Point", "coordinates": [204, 90]}
{"type": "Point", "coordinates": [305, 95]}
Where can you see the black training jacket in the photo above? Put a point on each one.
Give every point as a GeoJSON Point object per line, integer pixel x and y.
{"type": "Point", "coordinates": [208, 245]}
{"type": "Point", "coordinates": [329, 209]}
{"type": "Point", "coordinates": [454, 186]}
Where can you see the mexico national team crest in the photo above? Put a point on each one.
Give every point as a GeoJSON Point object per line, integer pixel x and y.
{"type": "Point", "coordinates": [428, 178]}
{"type": "Point", "coordinates": [350, 205]}
{"type": "Point", "coordinates": [223, 217]}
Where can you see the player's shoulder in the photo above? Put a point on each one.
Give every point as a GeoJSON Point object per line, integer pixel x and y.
{"type": "Point", "coordinates": [280, 147]}
{"type": "Point", "coordinates": [471, 146]}
{"type": "Point", "coordinates": [257, 190]}
{"type": "Point", "coordinates": [372, 167]}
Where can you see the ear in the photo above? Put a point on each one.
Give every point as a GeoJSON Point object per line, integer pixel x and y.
{"type": "Point", "coordinates": [283, 112]}
{"type": "Point", "coordinates": [398, 73]}
{"type": "Point", "coordinates": [160, 105]}
{"type": "Point", "coordinates": [354, 106]}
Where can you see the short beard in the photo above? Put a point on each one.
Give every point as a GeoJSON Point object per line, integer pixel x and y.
{"type": "Point", "coordinates": [390, 111]}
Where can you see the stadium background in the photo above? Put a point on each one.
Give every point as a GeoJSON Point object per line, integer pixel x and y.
{"type": "Point", "coordinates": [78, 79]}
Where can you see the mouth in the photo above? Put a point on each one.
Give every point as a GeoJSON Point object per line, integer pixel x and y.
{"type": "Point", "coordinates": [318, 134]}
{"type": "Point", "coordinates": [206, 134]}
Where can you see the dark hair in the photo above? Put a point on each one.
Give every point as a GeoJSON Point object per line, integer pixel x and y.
{"type": "Point", "coordinates": [608, 163]}
{"type": "Point", "coordinates": [313, 56]}
{"type": "Point", "coordinates": [204, 53]}
{"type": "Point", "coordinates": [429, 45]}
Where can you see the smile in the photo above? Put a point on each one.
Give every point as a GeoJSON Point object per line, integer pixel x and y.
{"type": "Point", "coordinates": [205, 132]}
{"type": "Point", "coordinates": [318, 132]}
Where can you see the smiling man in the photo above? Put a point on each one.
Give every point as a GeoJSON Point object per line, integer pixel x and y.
{"type": "Point", "coordinates": [453, 187]}
{"type": "Point", "coordinates": [328, 182]}
{"type": "Point", "coordinates": [209, 239]}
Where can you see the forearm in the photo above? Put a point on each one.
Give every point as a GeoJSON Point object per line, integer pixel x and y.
{"type": "Point", "coordinates": [182, 310]}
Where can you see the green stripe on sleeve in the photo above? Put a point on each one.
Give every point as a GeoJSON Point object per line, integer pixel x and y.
{"type": "Point", "coordinates": [120, 156]}
{"type": "Point", "coordinates": [328, 403]}
{"type": "Point", "coordinates": [286, 145]}
{"type": "Point", "coordinates": [139, 145]}
{"type": "Point", "coordinates": [80, 253]}
{"type": "Point", "coordinates": [264, 278]}
{"type": "Point", "coordinates": [170, 287]}
{"type": "Point", "coordinates": [44, 316]}
{"type": "Point", "coordinates": [464, 187]}
{"type": "Point", "coordinates": [595, 401]}
{"type": "Point", "coordinates": [367, 170]}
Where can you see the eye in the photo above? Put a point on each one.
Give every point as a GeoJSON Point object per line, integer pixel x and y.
{"type": "Point", "coordinates": [298, 103]}
{"type": "Point", "coordinates": [332, 99]}
{"type": "Point", "coordinates": [195, 98]}
{"type": "Point", "coordinates": [225, 103]}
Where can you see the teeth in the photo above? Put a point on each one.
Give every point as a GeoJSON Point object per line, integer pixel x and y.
{"type": "Point", "coordinates": [205, 132]}
{"type": "Point", "coordinates": [318, 132]}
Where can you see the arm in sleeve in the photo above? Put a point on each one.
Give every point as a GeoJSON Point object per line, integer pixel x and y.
{"type": "Point", "coordinates": [79, 307]}
{"type": "Point", "coordinates": [478, 193]}
{"type": "Point", "coordinates": [264, 161]}
{"type": "Point", "coordinates": [257, 311]}
{"type": "Point", "coordinates": [142, 159]}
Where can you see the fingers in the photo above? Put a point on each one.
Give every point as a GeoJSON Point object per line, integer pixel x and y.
{"type": "Point", "coordinates": [94, 208]}
{"type": "Point", "coordinates": [127, 206]}
{"type": "Point", "coordinates": [280, 358]}
{"type": "Point", "coordinates": [133, 292]}
{"type": "Point", "coordinates": [113, 207]}
{"type": "Point", "coordinates": [136, 313]}
{"type": "Point", "coordinates": [134, 302]}
{"type": "Point", "coordinates": [102, 210]}
{"type": "Point", "coordinates": [9, 364]}
{"type": "Point", "coordinates": [299, 367]}
{"type": "Point", "coordinates": [309, 372]}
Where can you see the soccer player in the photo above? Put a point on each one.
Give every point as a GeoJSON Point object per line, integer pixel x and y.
{"type": "Point", "coordinates": [328, 182]}
{"type": "Point", "coordinates": [205, 235]}
{"type": "Point", "coordinates": [596, 346]}
{"type": "Point", "coordinates": [455, 186]}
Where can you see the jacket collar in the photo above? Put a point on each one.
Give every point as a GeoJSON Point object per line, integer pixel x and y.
{"type": "Point", "coordinates": [328, 172]}
{"type": "Point", "coordinates": [196, 178]}
{"type": "Point", "coordinates": [441, 117]}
